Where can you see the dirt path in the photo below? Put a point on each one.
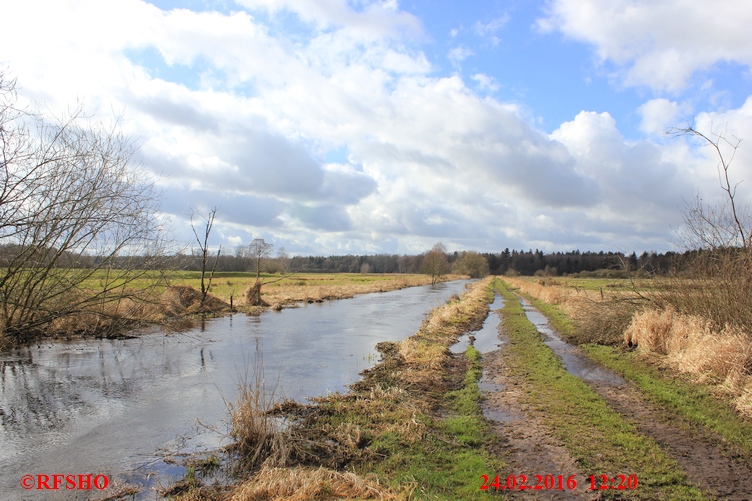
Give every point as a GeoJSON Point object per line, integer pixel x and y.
{"type": "Point", "coordinates": [706, 465]}
{"type": "Point", "coordinates": [529, 448]}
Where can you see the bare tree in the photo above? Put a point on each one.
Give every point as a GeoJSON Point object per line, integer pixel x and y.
{"type": "Point", "coordinates": [203, 244]}
{"type": "Point", "coordinates": [435, 263]}
{"type": "Point", "coordinates": [71, 203]}
{"type": "Point", "coordinates": [283, 260]}
{"type": "Point", "coordinates": [722, 225]}
{"type": "Point", "coordinates": [472, 264]}
{"type": "Point", "coordinates": [720, 268]}
{"type": "Point", "coordinates": [261, 252]}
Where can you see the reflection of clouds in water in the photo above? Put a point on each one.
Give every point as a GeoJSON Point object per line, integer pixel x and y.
{"type": "Point", "coordinates": [575, 362]}
{"type": "Point", "coordinates": [109, 404]}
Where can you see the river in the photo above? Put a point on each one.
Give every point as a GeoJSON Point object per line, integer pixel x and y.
{"type": "Point", "coordinates": [119, 407]}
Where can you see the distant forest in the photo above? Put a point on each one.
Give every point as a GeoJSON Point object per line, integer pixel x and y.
{"type": "Point", "coordinates": [606, 264]}
{"type": "Point", "coordinates": [523, 262]}
{"type": "Point", "coordinates": [508, 261]}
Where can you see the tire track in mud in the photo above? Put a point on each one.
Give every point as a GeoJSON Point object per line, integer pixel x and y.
{"type": "Point", "coordinates": [530, 448]}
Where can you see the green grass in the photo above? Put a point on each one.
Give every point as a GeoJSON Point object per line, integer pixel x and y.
{"type": "Point", "coordinates": [688, 401]}
{"type": "Point", "coordinates": [598, 437]}
{"type": "Point", "coordinates": [685, 401]}
{"type": "Point", "coordinates": [449, 462]}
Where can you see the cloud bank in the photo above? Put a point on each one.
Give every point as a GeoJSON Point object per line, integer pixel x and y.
{"type": "Point", "coordinates": [325, 128]}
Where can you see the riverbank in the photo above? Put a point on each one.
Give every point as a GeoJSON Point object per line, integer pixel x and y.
{"type": "Point", "coordinates": [176, 304]}
{"type": "Point", "coordinates": [150, 392]}
{"type": "Point", "coordinates": [411, 426]}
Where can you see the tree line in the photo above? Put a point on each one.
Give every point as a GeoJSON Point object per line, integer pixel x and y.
{"type": "Point", "coordinates": [523, 262]}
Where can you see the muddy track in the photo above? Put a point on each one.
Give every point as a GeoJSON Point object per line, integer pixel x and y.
{"type": "Point", "coordinates": [530, 448]}
{"type": "Point", "coordinates": [708, 465]}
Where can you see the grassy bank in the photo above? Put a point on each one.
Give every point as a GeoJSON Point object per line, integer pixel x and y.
{"type": "Point", "coordinates": [412, 428]}
{"type": "Point", "coordinates": [601, 441]}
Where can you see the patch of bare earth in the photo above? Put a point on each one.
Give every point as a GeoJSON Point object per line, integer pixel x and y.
{"type": "Point", "coordinates": [528, 446]}
{"type": "Point", "coordinates": [708, 464]}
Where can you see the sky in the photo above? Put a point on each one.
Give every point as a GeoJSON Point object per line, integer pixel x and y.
{"type": "Point", "coordinates": [332, 127]}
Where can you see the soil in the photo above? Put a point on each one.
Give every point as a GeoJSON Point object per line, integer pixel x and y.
{"type": "Point", "coordinates": [527, 444]}
{"type": "Point", "coordinates": [708, 464]}
{"type": "Point", "coordinates": [529, 447]}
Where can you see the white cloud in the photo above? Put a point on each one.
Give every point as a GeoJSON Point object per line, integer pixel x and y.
{"type": "Point", "coordinates": [490, 28]}
{"type": "Point", "coordinates": [428, 158]}
{"type": "Point", "coordinates": [661, 114]}
{"type": "Point", "coordinates": [376, 20]}
{"type": "Point", "coordinates": [485, 82]}
{"type": "Point", "coordinates": [657, 44]}
{"type": "Point", "coordinates": [458, 54]}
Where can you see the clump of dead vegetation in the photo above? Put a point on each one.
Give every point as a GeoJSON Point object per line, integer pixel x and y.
{"type": "Point", "coordinates": [305, 483]}
{"type": "Point", "coordinates": [699, 323]}
{"type": "Point", "coordinates": [180, 300]}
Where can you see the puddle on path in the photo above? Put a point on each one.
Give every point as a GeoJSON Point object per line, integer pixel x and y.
{"type": "Point", "coordinates": [486, 339]}
{"type": "Point", "coordinates": [498, 413]}
{"type": "Point", "coordinates": [576, 362]}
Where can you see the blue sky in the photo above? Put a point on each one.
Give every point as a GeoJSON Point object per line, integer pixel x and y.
{"type": "Point", "coordinates": [367, 126]}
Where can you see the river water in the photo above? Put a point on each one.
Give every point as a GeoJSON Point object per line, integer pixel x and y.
{"type": "Point", "coordinates": [118, 407]}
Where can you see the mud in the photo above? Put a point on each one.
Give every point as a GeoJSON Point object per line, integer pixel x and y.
{"type": "Point", "coordinates": [708, 464]}
{"type": "Point", "coordinates": [529, 447]}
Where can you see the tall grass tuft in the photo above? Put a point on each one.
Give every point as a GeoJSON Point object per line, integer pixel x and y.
{"type": "Point", "coordinates": [259, 438]}
{"type": "Point", "coordinates": [694, 345]}
{"type": "Point", "coordinates": [300, 484]}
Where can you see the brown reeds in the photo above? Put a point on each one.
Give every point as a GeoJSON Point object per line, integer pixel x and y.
{"type": "Point", "coordinates": [694, 345]}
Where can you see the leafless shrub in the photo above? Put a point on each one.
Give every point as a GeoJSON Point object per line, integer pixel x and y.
{"type": "Point", "coordinates": [73, 206]}
{"type": "Point", "coordinates": [258, 436]}
{"type": "Point", "coordinates": [604, 321]}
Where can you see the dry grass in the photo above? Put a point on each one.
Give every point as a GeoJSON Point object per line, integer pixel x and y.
{"type": "Point", "coordinates": [179, 300]}
{"type": "Point", "coordinates": [601, 316]}
{"type": "Point", "coordinates": [656, 320]}
{"type": "Point", "coordinates": [310, 457]}
{"type": "Point", "coordinates": [316, 289]}
{"type": "Point", "coordinates": [300, 484]}
{"type": "Point", "coordinates": [692, 345]}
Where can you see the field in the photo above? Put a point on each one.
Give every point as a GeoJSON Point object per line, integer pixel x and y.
{"type": "Point", "coordinates": [418, 427]}
{"type": "Point", "coordinates": [300, 287]}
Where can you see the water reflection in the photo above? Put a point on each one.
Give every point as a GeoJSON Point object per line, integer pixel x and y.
{"type": "Point", "coordinates": [575, 362]}
{"type": "Point", "coordinates": [487, 338]}
{"type": "Point", "coordinates": [108, 406]}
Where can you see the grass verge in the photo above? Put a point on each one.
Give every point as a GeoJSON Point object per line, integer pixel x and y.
{"type": "Point", "coordinates": [598, 437]}
{"type": "Point", "coordinates": [692, 403]}
{"type": "Point", "coordinates": [446, 464]}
